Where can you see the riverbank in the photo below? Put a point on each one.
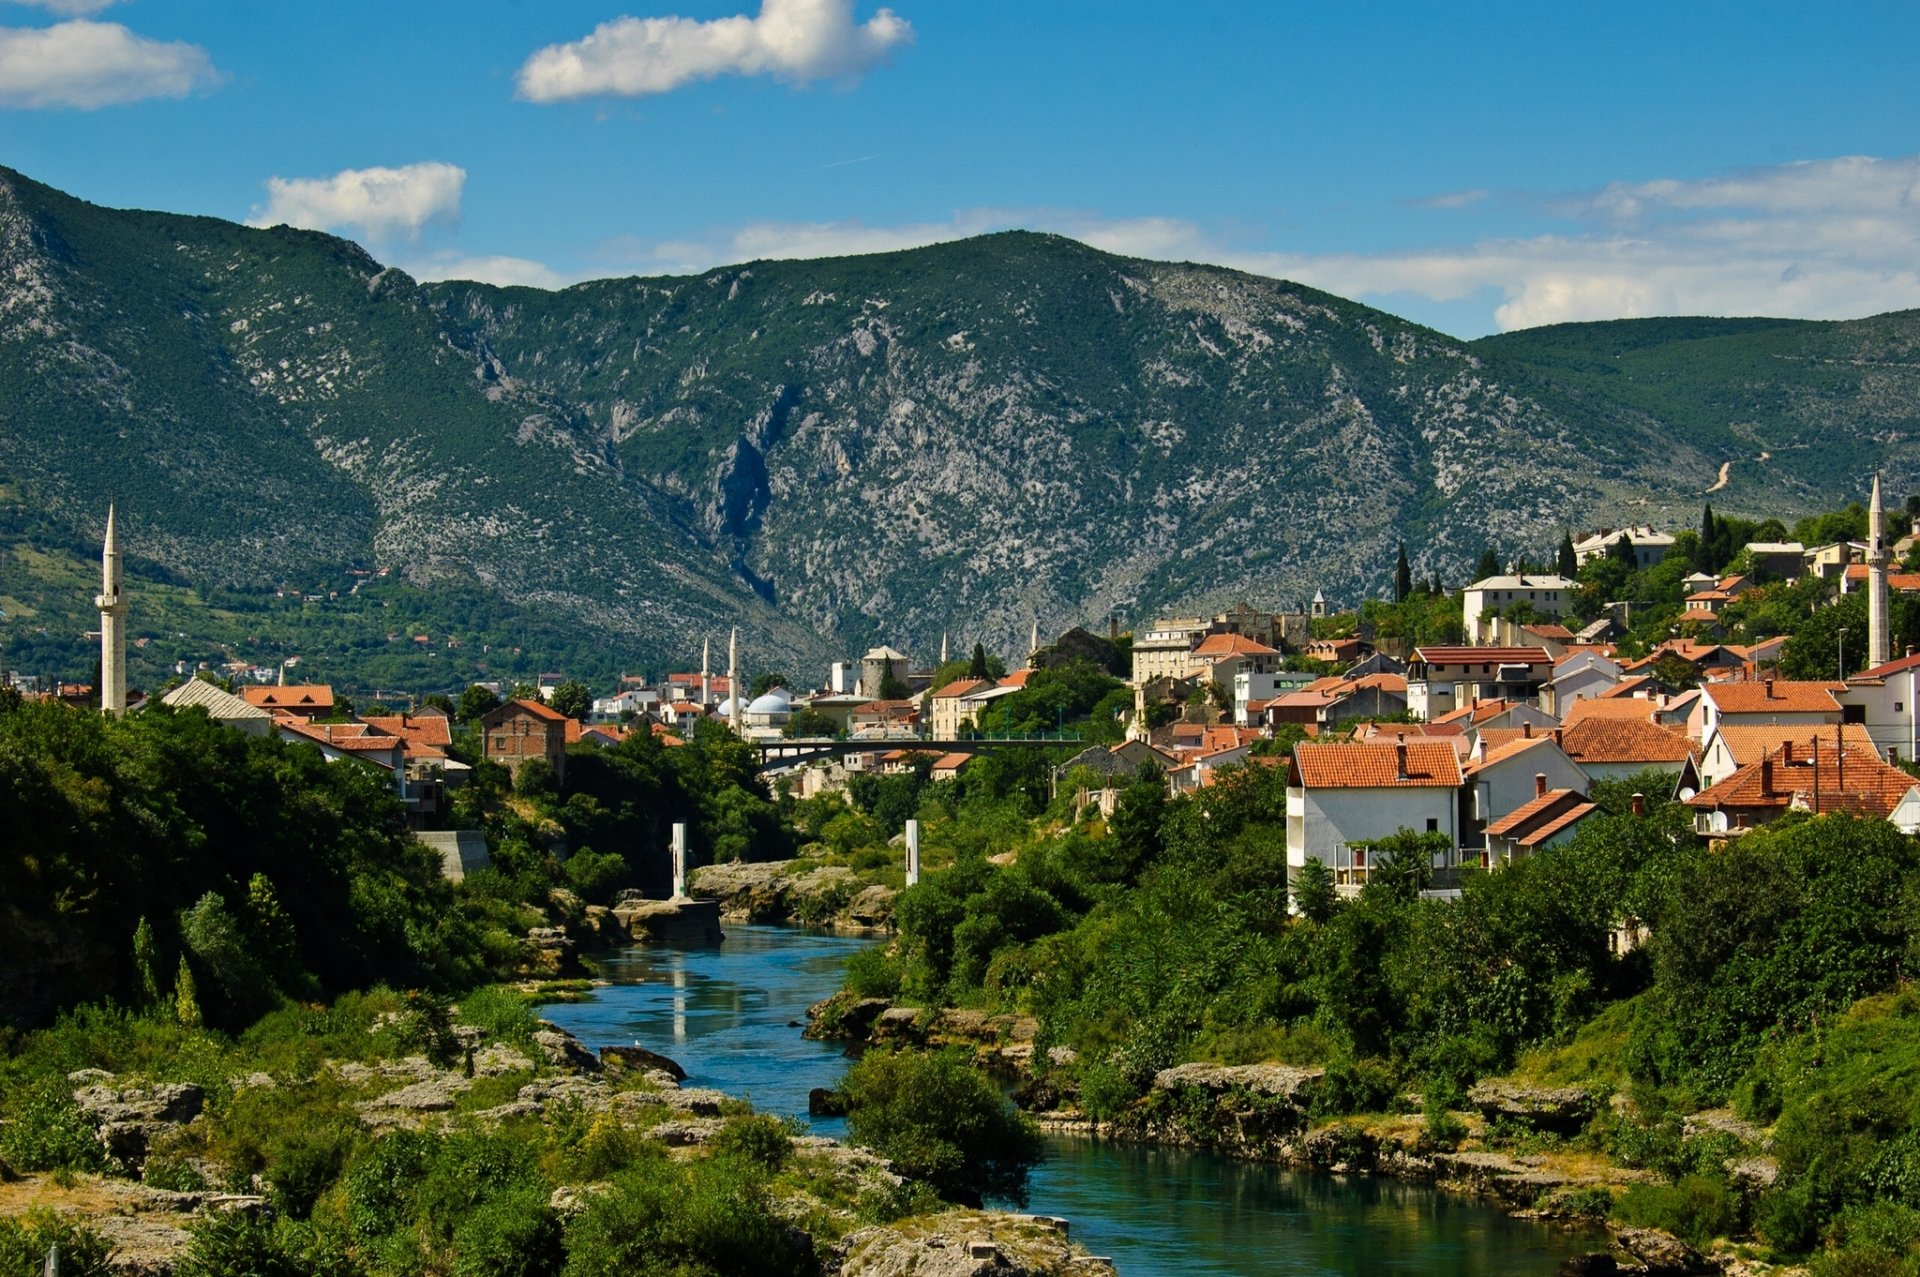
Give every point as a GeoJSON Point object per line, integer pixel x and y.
{"type": "Point", "coordinates": [1523, 1147]}
{"type": "Point", "coordinates": [537, 1138]}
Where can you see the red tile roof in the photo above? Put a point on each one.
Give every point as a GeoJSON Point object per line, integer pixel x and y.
{"type": "Point", "coordinates": [1775, 696]}
{"type": "Point", "coordinates": [1898, 582]}
{"type": "Point", "coordinates": [1497, 754]}
{"type": "Point", "coordinates": [539, 710]}
{"type": "Point", "coordinates": [1750, 743]}
{"type": "Point", "coordinates": [1624, 741]}
{"type": "Point", "coordinates": [430, 729]}
{"type": "Point", "coordinates": [1868, 786]}
{"type": "Point", "coordinates": [1482, 655]}
{"type": "Point", "coordinates": [1223, 645]}
{"type": "Point", "coordinates": [1541, 819]}
{"type": "Point", "coordinates": [1332, 766]}
{"type": "Point", "coordinates": [294, 696]}
{"type": "Point", "coordinates": [960, 687]}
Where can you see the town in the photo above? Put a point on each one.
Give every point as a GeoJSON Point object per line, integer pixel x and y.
{"type": "Point", "coordinates": [1475, 723]}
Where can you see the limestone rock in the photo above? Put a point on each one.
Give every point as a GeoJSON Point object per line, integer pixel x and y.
{"type": "Point", "coordinates": [873, 907]}
{"type": "Point", "coordinates": [1286, 1081]}
{"type": "Point", "coordinates": [1564, 1109]}
{"type": "Point", "coordinates": [127, 1119]}
{"type": "Point", "coordinates": [563, 1051]}
{"type": "Point", "coordinates": [1659, 1253]}
{"type": "Point", "coordinates": [698, 1101]}
{"type": "Point", "coordinates": [967, 1244]}
{"type": "Point", "coordinates": [619, 1060]}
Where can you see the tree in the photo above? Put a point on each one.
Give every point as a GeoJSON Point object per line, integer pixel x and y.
{"type": "Point", "coordinates": [186, 1000]}
{"type": "Point", "coordinates": [572, 698]}
{"type": "Point", "coordinates": [766, 683]}
{"type": "Point", "coordinates": [438, 700]}
{"type": "Point", "coordinates": [476, 703]}
{"type": "Point", "coordinates": [891, 688]}
{"type": "Point", "coordinates": [1313, 893]}
{"type": "Point", "coordinates": [1489, 565]}
{"type": "Point", "coordinates": [1707, 560]}
{"type": "Point", "coordinates": [146, 961]}
{"type": "Point", "coordinates": [1569, 560]}
{"type": "Point", "coordinates": [1402, 576]}
{"type": "Point", "coordinates": [938, 1119]}
{"type": "Point", "coordinates": [978, 669]}
{"type": "Point", "coordinates": [808, 722]}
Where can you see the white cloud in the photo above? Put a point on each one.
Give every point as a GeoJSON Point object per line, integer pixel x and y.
{"type": "Point", "coordinates": [381, 202]}
{"type": "Point", "coordinates": [94, 64]}
{"type": "Point", "coordinates": [489, 270]}
{"type": "Point", "coordinates": [794, 40]}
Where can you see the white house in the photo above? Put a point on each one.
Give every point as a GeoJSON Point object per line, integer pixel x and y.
{"type": "Point", "coordinates": [1582, 676]}
{"type": "Point", "coordinates": [1165, 650]}
{"type": "Point", "coordinates": [1769, 702]}
{"type": "Point", "coordinates": [1649, 547]}
{"type": "Point", "coordinates": [1547, 595]}
{"type": "Point", "coordinates": [1883, 700]}
{"type": "Point", "coordinates": [1732, 746]}
{"type": "Point", "coordinates": [1502, 779]}
{"type": "Point", "coordinates": [1547, 821]}
{"type": "Point", "coordinates": [1346, 798]}
{"type": "Point", "coordinates": [1441, 680]}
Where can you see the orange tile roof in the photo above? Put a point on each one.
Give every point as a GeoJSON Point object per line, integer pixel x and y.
{"type": "Point", "coordinates": [1699, 614]}
{"type": "Point", "coordinates": [1501, 753]}
{"type": "Point", "coordinates": [540, 710]}
{"type": "Point", "coordinates": [1775, 696]}
{"type": "Point", "coordinates": [1482, 655]}
{"type": "Point", "coordinates": [1333, 766]}
{"type": "Point", "coordinates": [293, 696]}
{"type": "Point", "coordinates": [1749, 743]}
{"type": "Point", "coordinates": [1614, 707]}
{"type": "Point", "coordinates": [1624, 740]}
{"type": "Point", "coordinates": [1868, 787]}
{"type": "Point", "coordinates": [431, 729]}
{"type": "Point", "coordinates": [1898, 582]}
{"type": "Point", "coordinates": [1018, 678]}
{"type": "Point", "coordinates": [1223, 645]}
{"type": "Point", "coordinates": [1477, 712]}
{"type": "Point", "coordinates": [960, 687]}
{"type": "Point", "coordinates": [1627, 687]}
{"type": "Point", "coordinates": [1558, 633]}
{"type": "Point", "coordinates": [1542, 818]}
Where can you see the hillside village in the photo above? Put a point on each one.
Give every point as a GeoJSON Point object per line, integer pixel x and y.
{"type": "Point", "coordinates": [1474, 724]}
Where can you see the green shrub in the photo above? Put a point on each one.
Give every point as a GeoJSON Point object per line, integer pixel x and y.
{"type": "Point", "coordinates": [872, 974]}
{"type": "Point", "coordinates": [510, 1234]}
{"type": "Point", "coordinates": [240, 1244]}
{"type": "Point", "coordinates": [1441, 1129]}
{"type": "Point", "coordinates": [25, 1240]}
{"type": "Point", "coordinates": [758, 1140]}
{"type": "Point", "coordinates": [938, 1118]}
{"type": "Point", "coordinates": [502, 1013]}
{"type": "Point", "coordinates": [1354, 1086]}
{"type": "Point", "coordinates": [174, 1174]}
{"type": "Point", "coordinates": [1586, 1203]}
{"type": "Point", "coordinates": [49, 1133]}
{"type": "Point", "coordinates": [675, 1220]}
{"type": "Point", "coordinates": [1698, 1208]}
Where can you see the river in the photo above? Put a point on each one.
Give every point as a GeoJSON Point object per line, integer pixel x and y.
{"type": "Point", "coordinates": [730, 1014]}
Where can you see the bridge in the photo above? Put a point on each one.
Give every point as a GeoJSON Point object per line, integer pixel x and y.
{"type": "Point", "coordinates": [805, 749]}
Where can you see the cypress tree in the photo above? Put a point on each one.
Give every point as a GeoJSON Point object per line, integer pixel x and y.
{"type": "Point", "coordinates": [186, 1001]}
{"type": "Point", "coordinates": [1489, 565]}
{"type": "Point", "coordinates": [1402, 577]}
{"type": "Point", "coordinates": [1708, 562]}
{"type": "Point", "coordinates": [978, 667]}
{"type": "Point", "coordinates": [1569, 563]}
{"type": "Point", "coordinates": [146, 957]}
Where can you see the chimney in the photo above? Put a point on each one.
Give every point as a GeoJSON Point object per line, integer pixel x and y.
{"type": "Point", "coordinates": [1786, 754]}
{"type": "Point", "coordinates": [1526, 731]}
{"type": "Point", "coordinates": [1766, 776]}
{"type": "Point", "coordinates": [1769, 689]}
{"type": "Point", "coordinates": [1400, 761]}
{"type": "Point", "coordinates": [1559, 738]}
{"type": "Point", "coordinates": [1539, 784]}
{"type": "Point", "coordinates": [1639, 804]}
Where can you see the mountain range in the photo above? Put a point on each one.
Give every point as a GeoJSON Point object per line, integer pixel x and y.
{"type": "Point", "coordinates": [960, 439]}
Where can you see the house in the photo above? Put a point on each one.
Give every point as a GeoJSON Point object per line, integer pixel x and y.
{"type": "Point", "coordinates": [222, 706]}
{"type": "Point", "coordinates": [949, 766]}
{"type": "Point", "coordinates": [1165, 650]}
{"type": "Point", "coordinates": [698, 688]}
{"type": "Point", "coordinates": [1883, 701]}
{"type": "Point", "coordinates": [1546, 821]}
{"type": "Point", "coordinates": [947, 710]}
{"type": "Point", "coordinates": [1613, 748]}
{"type": "Point", "coordinates": [1479, 716]}
{"type": "Point", "coordinates": [1897, 582]}
{"type": "Point", "coordinates": [1345, 798]}
{"type": "Point", "coordinates": [525, 729]}
{"type": "Point", "coordinates": [302, 700]}
{"type": "Point", "coordinates": [1220, 657]}
{"type": "Point", "coordinates": [352, 740]}
{"type": "Point", "coordinates": [1442, 679]}
{"type": "Point", "coordinates": [1547, 596]}
{"type": "Point", "coordinates": [1827, 778]}
{"type": "Point", "coordinates": [1582, 676]}
{"type": "Point", "coordinates": [1500, 779]}
{"type": "Point", "coordinates": [836, 707]}
{"type": "Point", "coordinates": [631, 702]}
{"type": "Point", "coordinates": [1335, 651]}
{"type": "Point", "coordinates": [1649, 547]}
{"type": "Point", "coordinates": [1776, 560]}
{"type": "Point", "coordinates": [1733, 746]}
{"type": "Point", "coordinates": [884, 718]}
{"type": "Point", "coordinates": [1774, 702]}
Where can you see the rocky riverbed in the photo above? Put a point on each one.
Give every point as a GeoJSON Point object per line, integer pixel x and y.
{"type": "Point", "coordinates": [802, 891]}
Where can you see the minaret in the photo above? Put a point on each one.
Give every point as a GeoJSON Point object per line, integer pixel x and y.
{"type": "Point", "coordinates": [733, 678]}
{"type": "Point", "coordinates": [113, 613]}
{"type": "Point", "coordinates": [1879, 636]}
{"type": "Point", "coordinates": [943, 647]}
{"type": "Point", "coordinates": [706, 694]}
{"type": "Point", "coordinates": [1033, 644]}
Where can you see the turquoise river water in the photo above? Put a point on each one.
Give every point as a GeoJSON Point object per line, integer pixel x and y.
{"type": "Point", "coordinates": [731, 1015]}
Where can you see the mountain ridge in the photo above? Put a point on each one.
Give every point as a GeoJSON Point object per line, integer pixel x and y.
{"type": "Point", "coordinates": [960, 438]}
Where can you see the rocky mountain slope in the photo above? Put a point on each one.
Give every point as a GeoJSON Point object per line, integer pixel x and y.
{"type": "Point", "coordinates": [958, 438]}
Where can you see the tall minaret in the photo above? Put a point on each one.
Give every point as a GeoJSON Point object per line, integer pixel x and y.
{"type": "Point", "coordinates": [1879, 635]}
{"type": "Point", "coordinates": [706, 695]}
{"type": "Point", "coordinates": [943, 647]}
{"type": "Point", "coordinates": [113, 638]}
{"type": "Point", "coordinates": [733, 678]}
{"type": "Point", "coordinates": [1033, 644]}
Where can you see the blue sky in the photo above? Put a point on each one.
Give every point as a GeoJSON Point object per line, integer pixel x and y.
{"type": "Point", "coordinates": [1475, 167]}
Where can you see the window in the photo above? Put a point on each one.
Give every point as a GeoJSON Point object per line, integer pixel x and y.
{"type": "Point", "coordinates": [1433, 825]}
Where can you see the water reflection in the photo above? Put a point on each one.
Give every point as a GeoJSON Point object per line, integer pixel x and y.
{"type": "Point", "coordinates": [729, 1015]}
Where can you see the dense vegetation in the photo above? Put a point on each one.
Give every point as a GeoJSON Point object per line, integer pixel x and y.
{"type": "Point", "coordinates": [1164, 935]}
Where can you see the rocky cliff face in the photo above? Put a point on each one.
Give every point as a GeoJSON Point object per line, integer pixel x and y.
{"type": "Point", "coordinates": [960, 438]}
